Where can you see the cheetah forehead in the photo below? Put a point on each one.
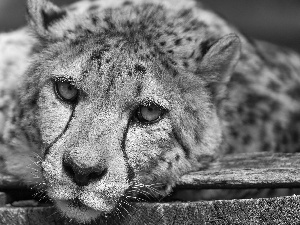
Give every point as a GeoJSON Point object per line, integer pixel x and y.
{"type": "Point", "coordinates": [176, 32]}
{"type": "Point", "coordinates": [114, 70]}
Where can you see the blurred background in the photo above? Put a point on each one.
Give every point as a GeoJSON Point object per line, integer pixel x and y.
{"type": "Point", "coordinates": [277, 21]}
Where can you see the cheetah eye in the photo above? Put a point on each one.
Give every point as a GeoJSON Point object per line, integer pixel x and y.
{"type": "Point", "coordinates": [66, 91]}
{"type": "Point", "coordinates": [148, 114]}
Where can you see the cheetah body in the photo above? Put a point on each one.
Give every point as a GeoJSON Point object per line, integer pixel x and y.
{"type": "Point", "coordinates": [221, 94]}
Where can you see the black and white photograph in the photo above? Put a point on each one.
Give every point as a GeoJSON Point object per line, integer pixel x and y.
{"type": "Point", "coordinates": [149, 112]}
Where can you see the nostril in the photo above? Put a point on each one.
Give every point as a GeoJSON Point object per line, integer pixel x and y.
{"type": "Point", "coordinates": [69, 170]}
{"type": "Point", "coordinates": [81, 179]}
{"type": "Point", "coordinates": [95, 175]}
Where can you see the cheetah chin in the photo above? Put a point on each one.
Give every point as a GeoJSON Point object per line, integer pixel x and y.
{"type": "Point", "coordinates": [77, 211]}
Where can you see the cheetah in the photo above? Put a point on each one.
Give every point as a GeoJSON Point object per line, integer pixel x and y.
{"type": "Point", "coordinates": [107, 100]}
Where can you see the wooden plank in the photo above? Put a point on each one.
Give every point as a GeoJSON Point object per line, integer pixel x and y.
{"type": "Point", "coordinates": [284, 210]}
{"type": "Point", "coordinates": [239, 171]}
{"type": "Point", "coordinates": [258, 170]}
{"type": "Point", "coordinates": [3, 199]}
{"type": "Point", "coordinates": [10, 182]}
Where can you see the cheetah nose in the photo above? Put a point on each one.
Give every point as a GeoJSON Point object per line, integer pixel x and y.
{"type": "Point", "coordinates": [82, 175]}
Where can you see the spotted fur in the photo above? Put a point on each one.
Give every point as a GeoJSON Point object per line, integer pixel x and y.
{"type": "Point", "coordinates": [220, 93]}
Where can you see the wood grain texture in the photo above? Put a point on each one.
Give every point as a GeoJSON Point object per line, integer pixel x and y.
{"type": "Point", "coordinates": [258, 170]}
{"type": "Point", "coordinates": [3, 199]}
{"type": "Point", "coordinates": [238, 171]}
{"type": "Point", "coordinates": [284, 210]}
{"type": "Point", "coordinates": [9, 182]}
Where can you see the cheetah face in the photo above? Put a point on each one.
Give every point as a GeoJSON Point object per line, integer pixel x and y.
{"type": "Point", "coordinates": [114, 117]}
{"type": "Point", "coordinates": [108, 134]}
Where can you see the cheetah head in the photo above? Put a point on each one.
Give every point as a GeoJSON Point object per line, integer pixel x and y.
{"type": "Point", "coordinates": [113, 110]}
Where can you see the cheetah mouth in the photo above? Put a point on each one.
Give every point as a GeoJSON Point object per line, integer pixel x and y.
{"type": "Point", "coordinates": [77, 210]}
{"type": "Point", "coordinates": [76, 203]}
{"type": "Point", "coordinates": [81, 205]}
{"type": "Point", "coordinates": [84, 204]}
{"type": "Point", "coordinates": [101, 197]}
{"type": "Point", "coordinates": [94, 203]}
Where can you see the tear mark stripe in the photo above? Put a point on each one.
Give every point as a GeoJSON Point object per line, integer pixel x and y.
{"type": "Point", "coordinates": [61, 134]}
{"type": "Point", "coordinates": [130, 170]}
{"type": "Point", "coordinates": [182, 144]}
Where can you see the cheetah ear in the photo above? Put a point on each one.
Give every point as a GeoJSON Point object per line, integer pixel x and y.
{"type": "Point", "coordinates": [42, 15]}
{"type": "Point", "coordinates": [218, 64]}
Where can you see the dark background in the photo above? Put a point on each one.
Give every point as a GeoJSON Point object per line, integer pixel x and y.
{"type": "Point", "coordinates": [277, 21]}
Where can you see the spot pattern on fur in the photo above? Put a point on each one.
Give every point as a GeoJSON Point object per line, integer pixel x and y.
{"type": "Point", "coordinates": [121, 54]}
